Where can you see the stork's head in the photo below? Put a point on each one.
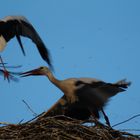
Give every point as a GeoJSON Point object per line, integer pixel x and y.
{"type": "Point", "coordinates": [39, 71]}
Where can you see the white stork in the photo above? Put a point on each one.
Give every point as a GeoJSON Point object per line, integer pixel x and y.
{"type": "Point", "coordinates": [85, 96]}
{"type": "Point", "coordinates": [12, 26]}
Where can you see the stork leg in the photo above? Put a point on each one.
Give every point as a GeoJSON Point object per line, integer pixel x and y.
{"type": "Point", "coordinates": [95, 117]}
{"type": "Point", "coordinates": [106, 118]}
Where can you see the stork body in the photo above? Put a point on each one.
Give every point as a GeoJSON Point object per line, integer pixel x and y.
{"type": "Point", "coordinates": [83, 97]}
{"type": "Point", "coordinates": [73, 110]}
{"type": "Point", "coordinates": [16, 26]}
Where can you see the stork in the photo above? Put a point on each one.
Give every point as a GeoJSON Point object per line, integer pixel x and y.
{"type": "Point", "coordinates": [86, 96]}
{"type": "Point", "coordinates": [16, 26]}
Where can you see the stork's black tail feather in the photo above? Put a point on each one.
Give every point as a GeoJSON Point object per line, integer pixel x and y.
{"type": "Point", "coordinates": [122, 83]}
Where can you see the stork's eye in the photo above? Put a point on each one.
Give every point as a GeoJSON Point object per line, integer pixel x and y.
{"type": "Point", "coordinates": [41, 67]}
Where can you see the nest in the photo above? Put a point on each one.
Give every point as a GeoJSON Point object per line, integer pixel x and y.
{"type": "Point", "coordinates": [61, 128]}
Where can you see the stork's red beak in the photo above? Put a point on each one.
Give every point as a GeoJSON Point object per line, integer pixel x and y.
{"type": "Point", "coordinates": [30, 73]}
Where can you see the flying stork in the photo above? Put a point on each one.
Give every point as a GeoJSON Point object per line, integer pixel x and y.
{"type": "Point", "coordinates": [85, 96]}
{"type": "Point", "coordinates": [16, 26]}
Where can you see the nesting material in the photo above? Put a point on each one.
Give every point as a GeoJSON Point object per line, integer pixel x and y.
{"type": "Point", "coordinates": [61, 128]}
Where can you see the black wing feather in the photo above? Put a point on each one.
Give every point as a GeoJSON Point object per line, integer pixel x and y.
{"type": "Point", "coordinates": [12, 26]}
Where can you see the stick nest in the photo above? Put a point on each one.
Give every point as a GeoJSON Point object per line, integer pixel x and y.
{"type": "Point", "coordinates": [61, 128]}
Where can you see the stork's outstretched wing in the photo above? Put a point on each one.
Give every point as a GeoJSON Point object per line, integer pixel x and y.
{"type": "Point", "coordinates": [12, 26]}
{"type": "Point", "coordinates": [94, 94]}
{"type": "Point", "coordinates": [62, 107]}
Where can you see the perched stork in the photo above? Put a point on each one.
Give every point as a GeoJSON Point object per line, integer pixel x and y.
{"type": "Point", "coordinates": [85, 96]}
{"type": "Point", "coordinates": [12, 26]}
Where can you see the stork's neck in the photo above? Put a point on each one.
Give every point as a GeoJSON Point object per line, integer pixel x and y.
{"type": "Point", "coordinates": [54, 80]}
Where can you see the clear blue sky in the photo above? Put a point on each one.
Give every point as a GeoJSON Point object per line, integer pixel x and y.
{"type": "Point", "coordinates": [86, 38]}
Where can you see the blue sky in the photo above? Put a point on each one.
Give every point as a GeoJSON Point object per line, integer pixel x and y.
{"type": "Point", "coordinates": [94, 38]}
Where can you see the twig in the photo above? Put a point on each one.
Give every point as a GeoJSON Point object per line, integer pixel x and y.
{"type": "Point", "coordinates": [21, 121]}
{"type": "Point", "coordinates": [129, 129]}
{"type": "Point", "coordinates": [34, 118]}
{"type": "Point", "coordinates": [138, 115]}
{"type": "Point", "coordinates": [34, 114]}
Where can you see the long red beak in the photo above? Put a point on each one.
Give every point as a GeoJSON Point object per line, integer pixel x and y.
{"type": "Point", "coordinates": [30, 73]}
